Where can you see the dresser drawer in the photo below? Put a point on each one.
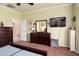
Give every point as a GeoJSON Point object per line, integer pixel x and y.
{"type": "Point", "coordinates": [40, 38]}
{"type": "Point", "coordinates": [6, 35]}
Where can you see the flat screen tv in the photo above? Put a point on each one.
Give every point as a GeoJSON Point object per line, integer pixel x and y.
{"type": "Point", "coordinates": [58, 22]}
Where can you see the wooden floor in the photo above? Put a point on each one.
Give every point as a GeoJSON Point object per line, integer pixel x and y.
{"type": "Point", "coordinates": [61, 51]}
{"type": "Point", "coordinates": [51, 51]}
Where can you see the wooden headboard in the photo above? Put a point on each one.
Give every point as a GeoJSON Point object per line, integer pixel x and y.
{"type": "Point", "coordinates": [6, 36]}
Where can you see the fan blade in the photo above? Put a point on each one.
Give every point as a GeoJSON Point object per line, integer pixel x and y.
{"type": "Point", "coordinates": [18, 4]}
{"type": "Point", "coordinates": [31, 3]}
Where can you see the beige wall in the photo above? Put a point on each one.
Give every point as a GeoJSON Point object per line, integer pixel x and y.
{"type": "Point", "coordinates": [77, 28]}
{"type": "Point", "coordinates": [7, 15]}
{"type": "Point", "coordinates": [59, 33]}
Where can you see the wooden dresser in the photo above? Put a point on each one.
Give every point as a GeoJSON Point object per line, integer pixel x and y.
{"type": "Point", "coordinates": [6, 35]}
{"type": "Point", "coordinates": [40, 38]}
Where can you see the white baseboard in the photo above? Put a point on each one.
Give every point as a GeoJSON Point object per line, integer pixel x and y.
{"type": "Point", "coordinates": [63, 46]}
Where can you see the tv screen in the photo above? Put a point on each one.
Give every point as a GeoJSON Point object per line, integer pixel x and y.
{"type": "Point", "coordinates": [58, 22]}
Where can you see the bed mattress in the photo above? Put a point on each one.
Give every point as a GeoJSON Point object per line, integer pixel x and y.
{"type": "Point", "coordinates": [8, 50]}
{"type": "Point", "coordinates": [13, 51]}
{"type": "Point", "coordinates": [26, 53]}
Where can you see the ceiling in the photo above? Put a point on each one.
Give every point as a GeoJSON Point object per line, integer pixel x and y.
{"type": "Point", "coordinates": [25, 7]}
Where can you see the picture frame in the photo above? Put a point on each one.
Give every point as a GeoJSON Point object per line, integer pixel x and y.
{"type": "Point", "coordinates": [57, 22]}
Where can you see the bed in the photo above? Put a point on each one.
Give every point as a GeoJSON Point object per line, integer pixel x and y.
{"type": "Point", "coordinates": [26, 53]}
{"type": "Point", "coordinates": [13, 51]}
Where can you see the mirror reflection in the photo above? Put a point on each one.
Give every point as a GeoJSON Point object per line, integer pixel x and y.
{"type": "Point", "coordinates": [41, 25]}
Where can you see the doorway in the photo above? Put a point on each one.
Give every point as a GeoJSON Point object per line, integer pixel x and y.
{"type": "Point", "coordinates": [19, 30]}
{"type": "Point", "coordinates": [23, 30]}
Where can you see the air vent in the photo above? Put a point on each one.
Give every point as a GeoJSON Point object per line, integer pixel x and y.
{"type": "Point", "coordinates": [10, 6]}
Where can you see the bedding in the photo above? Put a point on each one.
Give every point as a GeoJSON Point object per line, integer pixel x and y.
{"type": "Point", "coordinates": [8, 50]}
{"type": "Point", "coordinates": [13, 51]}
{"type": "Point", "coordinates": [26, 53]}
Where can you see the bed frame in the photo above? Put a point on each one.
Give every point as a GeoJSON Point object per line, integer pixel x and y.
{"type": "Point", "coordinates": [41, 52]}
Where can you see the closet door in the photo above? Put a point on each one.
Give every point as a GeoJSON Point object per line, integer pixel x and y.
{"type": "Point", "coordinates": [23, 30]}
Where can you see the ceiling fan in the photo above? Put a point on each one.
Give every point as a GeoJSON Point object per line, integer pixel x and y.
{"type": "Point", "coordinates": [18, 4]}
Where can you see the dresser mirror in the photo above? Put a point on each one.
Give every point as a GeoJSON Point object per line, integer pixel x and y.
{"type": "Point", "coordinates": [41, 25]}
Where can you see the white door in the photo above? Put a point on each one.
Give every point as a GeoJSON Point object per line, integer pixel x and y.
{"type": "Point", "coordinates": [23, 30]}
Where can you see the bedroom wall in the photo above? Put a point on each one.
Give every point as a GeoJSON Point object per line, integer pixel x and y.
{"type": "Point", "coordinates": [77, 27]}
{"type": "Point", "coordinates": [7, 15]}
{"type": "Point", "coordinates": [60, 33]}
